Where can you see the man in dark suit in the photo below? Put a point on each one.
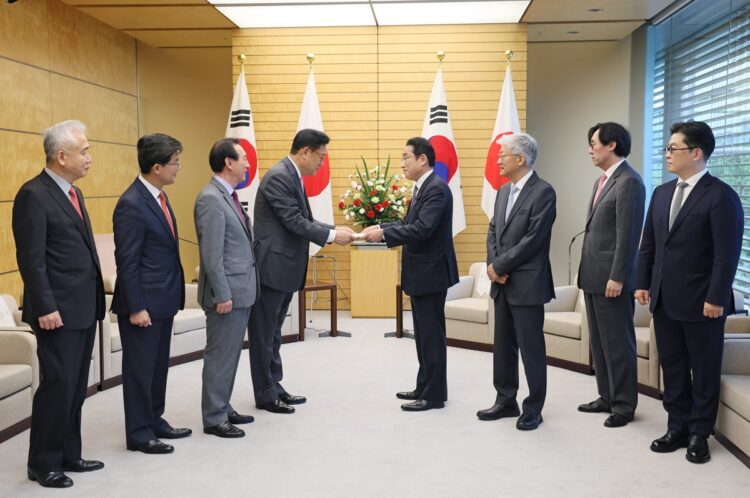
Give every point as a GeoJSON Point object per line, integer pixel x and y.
{"type": "Point", "coordinates": [284, 228]}
{"type": "Point", "coordinates": [518, 242]}
{"type": "Point", "coordinates": [62, 301]}
{"type": "Point", "coordinates": [686, 264]}
{"type": "Point", "coordinates": [149, 290]}
{"type": "Point", "coordinates": [228, 284]}
{"type": "Point", "coordinates": [607, 271]}
{"type": "Point", "coordinates": [428, 268]}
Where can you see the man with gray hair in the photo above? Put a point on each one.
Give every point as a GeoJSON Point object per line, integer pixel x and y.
{"type": "Point", "coordinates": [518, 242]}
{"type": "Point", "coordinates": [63, 300]}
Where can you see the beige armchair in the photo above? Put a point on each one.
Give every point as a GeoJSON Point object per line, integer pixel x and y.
{"type": "Point", "coordinates": [94, 368]}
{"type": "Point", "coordinates": [19, 378]}
{"type": "Point", "coordinates": [469, 311]}
{"type": "Point", "coordinates": [566, 330]}
{"type": "Point", "coordinates": [733, 420]}
{"type": "Point", "coordinates": [649, 378]}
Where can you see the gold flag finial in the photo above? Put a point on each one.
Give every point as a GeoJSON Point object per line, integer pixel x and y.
{"type": "Point", "coordinates": [440, 57]}
{"type": "Point", "coordinates": [508, 56]}
{"type": "Point", "coordinates": [241, 58]}
{"type": "Point", "coordinates": [310, 58]}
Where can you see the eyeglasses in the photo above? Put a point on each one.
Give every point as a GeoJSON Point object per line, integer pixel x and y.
{"type": "Point", "coordinates": [321, 156]}
{"type": "Point", "coordinates": [503, 156]}
{"type": "Point", "coordinates": [172, 164]}
{"type": "Point", "coordinates": [671, 148]}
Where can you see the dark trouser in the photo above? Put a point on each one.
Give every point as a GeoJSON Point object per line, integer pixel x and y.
{"type": "Point", "coordinates": [690, 355]}
{"type": "Point", "coordinates": [613, 348]}
{"type": "Point", "coordinates": [64, 359]}
{"type": "Point", "coordinates": [428, 312]}
{"type": "Point", "coordinates": [145, 363]}
{"type": "Point", "coordinates": [264, 333]}
{"type": "Point", "coordinates": [519, 327]}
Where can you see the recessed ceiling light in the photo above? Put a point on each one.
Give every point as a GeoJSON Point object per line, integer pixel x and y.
{"type": "Point", "coordinates": [573, 32]}
{"type": "Point", "coordinates": [595, 10]}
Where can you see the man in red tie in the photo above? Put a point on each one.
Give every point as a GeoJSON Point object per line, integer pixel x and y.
{"type": "Point", "coordinates": [607, 272]}
{"type": "Point", "coordinates": [149, 291]}
{"type": "Point", "coordinates": [63, 299]}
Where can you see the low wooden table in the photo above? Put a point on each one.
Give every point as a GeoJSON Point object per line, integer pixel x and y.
{"type": "Point", "coordinates": [309, 287]}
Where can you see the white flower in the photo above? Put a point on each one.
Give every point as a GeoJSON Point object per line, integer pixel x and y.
{"type": "Point", "coordinates": [391, 197]}
{"type": "Point", "coordinates": [359, 187]}
{"type": "Point", "coordinates": [347, 217]}
{"type": "Point", "coordinates": [357, 196]}
{"type": "Point", "coordinates": [402, 189]}
{"type": "Point", "coordinates": [361, 211]}
{"type": "Point", "coordinates": [395, 177]}
{"type": "Point", "coordinates": [369, 183]}
{"type": "Point", "coordinates": [401, 209]}
{"type": "Point", "coordinates": [354, 184]}
{"type": "Point", "coordinates": [375, 200]}
{"type": "Point", "coordinates": [398, 203]}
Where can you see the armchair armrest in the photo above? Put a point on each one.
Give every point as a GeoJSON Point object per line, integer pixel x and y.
{"type": "Point", "coordinates": [737, 324]}
{"type": "Point", "coordinates": [462, 289]}
{"type": "Point", "coordinates": [191, 296]}
{"type": "Point", "coordinates": [736, 360]}
{"type": "Point", "coordinates": [565, 299]}
{"type": "Point", "coordinates": [20, 349]}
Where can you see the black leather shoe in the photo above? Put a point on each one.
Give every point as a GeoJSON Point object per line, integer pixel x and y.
{"type": "Point", "coordinates": [153, 447]}
{"type": "Point", "coordinates": [409, 395]}
{"type": "Point", "coordinates": [54, 479]}
{"type": "Point", "coordinates": [290, 399]}
{"type": "Point", "coordinates": [224, 429]}
{"type": "Point", "coordinates": [236, 418]}
{"type": "Point", "coordinates": [421, 405]}
{"type": "Point", "coordinates": [496, 412]}
{"type": "Point", "coordinates": [172, 433]}
{"type": "Point", "coordinates": [277, 406]}
{"type": "Point", "coordinates": [82, 465]}
{"type": "Point", "coordinates": [697, 450]}
{"type": "Point", "coordinates": [616, 420]}
{"type": "Point", "coordinates": [596, 406]}
{"type": "Point", "coordinates": [529, 421]}
{"type": "Point", "coordinates": [669, 442]}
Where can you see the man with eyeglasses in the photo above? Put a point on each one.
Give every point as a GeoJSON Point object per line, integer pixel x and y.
{"type": "Point", "coordinates": [686, 265]}
{"type": "Point", "coordinates": [149, 290]}
{"type": "Point", "coordinates": [284, 228]}
{"type": "Point", "coordinates": [607, 271]}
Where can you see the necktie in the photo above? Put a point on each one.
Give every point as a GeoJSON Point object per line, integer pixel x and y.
{"type": "Point", "coordinates": [240, 211]}
{"type": "Point", "coordinates": [602, 181]}
{"type": "Point", "coordinates": [414, 192]}
{"type": "Point", "coordinates": [511, 200]}
{"type": "Point", "coordinates": [676, 203]}
{"type": "Point", "coordinates": [74, 201]}
{"type": "Point", "coordinates": [163, 202]}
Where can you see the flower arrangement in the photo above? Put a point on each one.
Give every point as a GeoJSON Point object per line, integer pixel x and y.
{"type": "Point", "coordinates": [374, 196]}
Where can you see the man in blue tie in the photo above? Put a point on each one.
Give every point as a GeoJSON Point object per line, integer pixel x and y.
{"type": "Point", "coordinates": [518, 242]}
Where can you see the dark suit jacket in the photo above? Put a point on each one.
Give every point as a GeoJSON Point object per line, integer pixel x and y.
{"type": "Point", "coordinates": [520, 245]}
{"type": "Point", "coordinates": [695, 262]}
{"type": "Point", "coordinates": [149, 272]}
{"type": "Point", "coordinates": [283, 229]}
{"type": "Point", "coordinates": [428, 260]}
{"type": "Point", "coordinates": [613, 229]}
{"type": "Point", "coordinates": [56, 256]}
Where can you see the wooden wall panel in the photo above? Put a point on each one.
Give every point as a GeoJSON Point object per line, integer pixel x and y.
{"type": "Point", "coordinates": [25, 97]}
{"type": "Point", "coordinates": [23, 33]}
{"type": "Point", "coordinates": [91, 78]}
{"type": "Point", "coordinates": [110, 116]}
{"type": "Point", "coordinates": [373, 87]}
{"type": "Point", "coordinates": [86, 48]}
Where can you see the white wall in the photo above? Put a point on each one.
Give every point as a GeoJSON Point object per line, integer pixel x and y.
{"type": "Point", "coordinates": [572, 86]}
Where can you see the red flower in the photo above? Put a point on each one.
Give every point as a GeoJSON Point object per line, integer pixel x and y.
{"type": "Point", "coordinates": [394, 187]}
{"type": "Point", "coordinates": [357, 202]}
{"type": "Point", "coordinates": [370, 214]}
{"type": "Point", "coordinates": [379, 207]}
{"type": "Point", "coordinates": [342, 205]}
{"type": "Point", "coordinates": [373, 193]}
{"type": "Point", "coordinates": [408, 202]}
{"type": "Point", "coordinates": [385, 204]}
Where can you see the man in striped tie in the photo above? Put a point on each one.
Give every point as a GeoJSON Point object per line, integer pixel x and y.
{"type": "Point", "coordinates": [63, 299]}
{"type": "Point", "coordinates": [149, 291]}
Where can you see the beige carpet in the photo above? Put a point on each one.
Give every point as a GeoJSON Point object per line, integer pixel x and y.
{"type": "Point", "coordinates": [352, 440]}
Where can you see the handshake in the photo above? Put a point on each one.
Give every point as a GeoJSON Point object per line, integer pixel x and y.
{"type": "Point", "coordinates": [345, 235]}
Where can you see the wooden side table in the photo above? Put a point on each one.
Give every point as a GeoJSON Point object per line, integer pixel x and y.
{"type": "Point", "coordinates": [309, 287]}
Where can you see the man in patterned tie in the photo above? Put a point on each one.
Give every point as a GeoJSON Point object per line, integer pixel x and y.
{"type": "Point", "coordinates": [686, 265]}
{"type": "Point", "coordinates": [149, 291]}
{"type": "Point", "coordinates": [63, 299]}
{"type": "Point", "coordinates": [607, 271]}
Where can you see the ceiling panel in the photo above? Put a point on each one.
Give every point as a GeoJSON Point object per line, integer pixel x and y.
{"type": "Point", "coordinates": [571, 32]}
{"type": "Point", "coordinates": [548, 11]}
{"type": "Point", "coordinates": [158, 16]}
